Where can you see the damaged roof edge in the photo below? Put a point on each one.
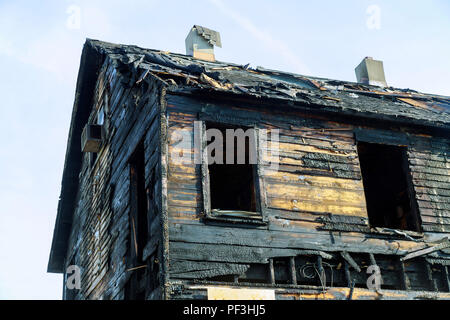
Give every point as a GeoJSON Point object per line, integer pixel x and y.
{"type": "Point", "coordinates": [91, 61]}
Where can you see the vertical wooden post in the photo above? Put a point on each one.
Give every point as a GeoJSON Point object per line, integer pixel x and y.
{"type": "Point", "coordinates": [430, 277]}
{"type": "Point", "coordinates": [403, 277]}
{"type": "Point", "coordinates": [321, 270]}
{"type": "Point", "coordinates": [293, 270]}
{"type": "Point", "coordinates": [372, 259]}
{"type": "Point", "coordinates": [271, 272]}
{"type": "Point", "coordinates": [204, 168]}
{"type": "Point", "coordinates": [348, 274]}
{"type": "Point", "coordinates": [162, 201]}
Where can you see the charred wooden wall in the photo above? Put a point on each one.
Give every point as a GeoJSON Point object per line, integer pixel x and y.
{"type": "Point", "coordinates": [429, 160]}
{"type": "Point", "coordinates": [314, 201]}
{"type": "Point", "coordinates": [100, 237]}
{"type": "Point", "coordinates": [315, 204]}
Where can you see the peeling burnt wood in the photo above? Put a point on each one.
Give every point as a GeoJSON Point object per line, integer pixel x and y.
{"type": "Point", "coordinates": [344, 227]}
{"type": "Point", "coordinates": [201, 269]}
{"type": "Point", "coordinates": [233, 253]}
{"type": "Point", "coordinates": [307, 239]}
{"type": "Point", "coordinates": [292, 270]}
{"type": "Point", "coordinates": [335, 218]}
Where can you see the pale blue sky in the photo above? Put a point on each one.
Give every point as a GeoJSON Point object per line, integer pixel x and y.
{"type": "Point", "coordinates": [39, 59]}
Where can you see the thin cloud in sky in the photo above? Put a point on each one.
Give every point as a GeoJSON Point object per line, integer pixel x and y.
{"type": "Point", "coordinates": [52, 46]}
{"type": "Point", "coordinates": [273, 44]}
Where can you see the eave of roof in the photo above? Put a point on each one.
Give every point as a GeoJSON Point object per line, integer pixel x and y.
{"type": "Point", "coordinates": [90, 63]}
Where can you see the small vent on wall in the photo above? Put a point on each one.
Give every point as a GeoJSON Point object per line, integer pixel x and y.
{"type": "Point", "coordinates": [91, 138]}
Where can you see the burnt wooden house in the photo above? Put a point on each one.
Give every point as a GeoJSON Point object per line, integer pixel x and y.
{"type": "Point", "coordinates": [362, 178]}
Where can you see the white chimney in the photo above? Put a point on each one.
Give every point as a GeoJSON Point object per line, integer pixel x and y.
{"type": "Point", "coordinates": [200, 43]}
{"type": "Point", "coordinates": [371, 71]}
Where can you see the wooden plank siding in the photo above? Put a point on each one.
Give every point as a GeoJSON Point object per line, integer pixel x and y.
{"type": "Point", "coordinates": [99, 239]}
{"type": "Point", "coordinates": [318, 177]}
{"type": "Point", "coordinates": [314, 200]}
{"type": "Point", "coordinates": [304, 231]}
{"type": "Point", "coordinates": [429, 160]}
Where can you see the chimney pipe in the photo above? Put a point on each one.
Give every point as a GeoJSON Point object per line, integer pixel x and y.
{"type": "Point", "coordinates": [371, 71]}
{"type": "Point", "coordinates": [200, 43]}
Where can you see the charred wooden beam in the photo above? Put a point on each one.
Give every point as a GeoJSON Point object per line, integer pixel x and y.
{"type": "Point", "coordinates": [321, 270]}
{"type": "Point", "coordinates": [403, 277]}
{"type": "Point", "coordinates": [433, 284]}
{"type": "Point", "coordinates": [348, 276]}
{"type": "Point", "coordinates": [293, 270]}
{"type": "Point", "coordinates": [348, 258]}
{"type": "Point", "coordinates": [271, 272]}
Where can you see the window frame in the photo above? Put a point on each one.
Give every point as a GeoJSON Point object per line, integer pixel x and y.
{"type": "Point", "coordinates": [397, 139]}
{"type": "Point", "coordinates": [258, 179]}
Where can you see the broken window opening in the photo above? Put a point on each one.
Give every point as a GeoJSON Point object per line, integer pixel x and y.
{"type": "Point", "coordinates": [138, 201]}
{"type": "Point", "coordinates": [139, 229]}
{"type": "Point", "coordinates": [232, 184]}
{"type": "Point", "coordinates": [387, 186]}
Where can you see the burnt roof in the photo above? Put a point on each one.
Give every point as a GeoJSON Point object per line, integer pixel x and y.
{"type": "Point", "coordinates": [327, 94]}
{"type": "Point", "coordinates": [181, 72]}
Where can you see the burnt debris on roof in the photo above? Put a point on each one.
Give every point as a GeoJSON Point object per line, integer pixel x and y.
{"type": "Point", "coordinates": [325, 94]}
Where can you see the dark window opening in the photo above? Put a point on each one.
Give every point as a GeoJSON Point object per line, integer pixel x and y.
{"type": "Point", "coordinates": [388, 187]}
{"type": "Point", "coordinates": [138, 225]}
{"type": "Point", "coordinates": [232, 186]}
{"type": "Point", "coordinates": [138, 201]}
